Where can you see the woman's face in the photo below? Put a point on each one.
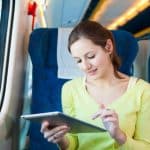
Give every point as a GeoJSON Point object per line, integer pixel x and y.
{"type": "Point", "coordinates": [91, 59]}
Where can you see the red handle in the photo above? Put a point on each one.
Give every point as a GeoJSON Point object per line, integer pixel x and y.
{"type": "Point", "coordinates": [32, 11]}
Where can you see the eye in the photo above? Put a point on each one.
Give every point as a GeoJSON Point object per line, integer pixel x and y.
{"type": "Point", "coordinates": [78, 61]}
{"type": "Point", "coordinates": [91, 56]}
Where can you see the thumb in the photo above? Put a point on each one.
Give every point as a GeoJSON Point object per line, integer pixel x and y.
{"type": "Point", "coordinates": [44, 126]}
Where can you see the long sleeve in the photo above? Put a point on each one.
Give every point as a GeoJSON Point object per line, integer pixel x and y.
{"type": "Point", "coordinates": [68, 108]}
{"type": "Point", "coordinates": [133, 109]}
{"type": "Point", "coordinates": [141, 139]}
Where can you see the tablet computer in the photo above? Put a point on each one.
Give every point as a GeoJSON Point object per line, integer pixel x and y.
{"type": "Point", "coordinates": [59, 118]}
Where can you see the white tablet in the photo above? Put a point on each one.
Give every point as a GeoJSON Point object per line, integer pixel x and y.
{"type": "Point", "coordinates": [59, 118]}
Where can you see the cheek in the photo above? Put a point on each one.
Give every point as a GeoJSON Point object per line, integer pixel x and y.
{"type": "Point", "coordinates": [99, 61]}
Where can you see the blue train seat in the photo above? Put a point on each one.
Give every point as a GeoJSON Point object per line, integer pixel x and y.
{"type": "Point", "coordinates": [46, 86]}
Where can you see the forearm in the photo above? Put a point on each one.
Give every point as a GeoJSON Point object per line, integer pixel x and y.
{"type": "Point", "coordinates": [120, 137]}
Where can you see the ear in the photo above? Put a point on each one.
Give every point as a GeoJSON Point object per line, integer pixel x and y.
{"type": "Point", "coordinates": [109, 46]}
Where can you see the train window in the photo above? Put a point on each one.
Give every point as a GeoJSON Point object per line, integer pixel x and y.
{"type": "Point", "coordinates": [6, 9]}
{"type": "Point", "coordinates": [0, 8]}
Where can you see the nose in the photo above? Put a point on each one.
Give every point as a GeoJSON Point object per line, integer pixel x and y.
{"type": "Point", "coordinates": [86, 65]}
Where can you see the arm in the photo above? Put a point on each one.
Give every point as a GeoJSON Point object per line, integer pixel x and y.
{"type": "Point", "coordinates": [68, 108]}
{"type": "Point", "coordinates": [141, 139]}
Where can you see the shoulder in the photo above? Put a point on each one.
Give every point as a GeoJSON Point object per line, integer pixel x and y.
{"type": "Point", "coordinates": [143, 85]}
{"type": "Point", "coordinates": [143, 90]}
{"type": "Point", "coordinates": [139, 87]}
{"type": "Point", "coordinates": [73, 84]}
{"type": "Point", "coordinates": [140, 94]}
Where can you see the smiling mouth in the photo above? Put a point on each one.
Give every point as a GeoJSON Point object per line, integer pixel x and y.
{"type": "Point", "coordinates": [92, 72]}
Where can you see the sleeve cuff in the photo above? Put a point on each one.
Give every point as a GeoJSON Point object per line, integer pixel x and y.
{"type": "Point", "coordinates": [127, 144]}
{"type": "Point", "coordinates": [72, 142]}
{"type": "Point", "coordinates": [124, 146]}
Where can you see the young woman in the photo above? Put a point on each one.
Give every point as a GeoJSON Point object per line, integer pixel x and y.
{"type": "Point", "coordinates": [104, 97]}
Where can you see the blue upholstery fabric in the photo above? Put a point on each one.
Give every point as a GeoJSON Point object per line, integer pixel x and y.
{"type": "Point", "coordinates": [46, 87]}
{"type": "Point", "coordinates": [127, 49]}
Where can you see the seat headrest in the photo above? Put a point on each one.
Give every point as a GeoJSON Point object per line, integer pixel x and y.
{"type": "Point", "coordinates": [43, 47]}
{"type": "Point", "coordinates": [127, 49]}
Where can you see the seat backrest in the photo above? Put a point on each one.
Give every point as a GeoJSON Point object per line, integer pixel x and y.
{"type": "Point", "coordinates": [46, 86]}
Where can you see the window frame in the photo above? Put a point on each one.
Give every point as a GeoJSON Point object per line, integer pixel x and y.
{"type": "Point", "coordinates": [6, 26]}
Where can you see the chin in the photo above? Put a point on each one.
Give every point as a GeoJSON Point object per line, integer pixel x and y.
{"type": "Point", "coordinates": [93, 77]}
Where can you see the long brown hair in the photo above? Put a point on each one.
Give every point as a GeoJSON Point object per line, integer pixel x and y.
{"type": "Point", "coordinates": [98, 35]}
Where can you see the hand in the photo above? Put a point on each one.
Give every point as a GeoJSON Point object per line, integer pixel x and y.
{"type": "Point", "coordinates": [111, 122]}
{"type": "Point", "coordinates": [56, 134]}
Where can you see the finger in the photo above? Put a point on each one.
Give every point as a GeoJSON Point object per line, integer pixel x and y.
{"type": "Point", "coordinates": [55, 130]}
{"type": "Point", "coordinates": [56, 140]}
{"type": "Point", "coordinates": [110, 119]}
{"type": "Point", "coordinates": [59, 128]}
{"type": "Point", "coordinates": [97, 114]}
{"type": "Point", "coordinates": [51, 139]}
{"type": "Point", "coordinates": [44, 126]}
{"type": "Point", "coordinates": [57, 137]}
{"type": "Point", "coordinates": [102, 106]}
{"type": "Point", "coordinates": [108, 112]}
{"type": "Point", "coordinates": [61, 133]}
{"type": "Point", "coordinates": [102, 112]}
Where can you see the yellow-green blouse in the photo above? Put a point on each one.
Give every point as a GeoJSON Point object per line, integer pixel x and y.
{"type": "Point", "coordinates": [133, 109]}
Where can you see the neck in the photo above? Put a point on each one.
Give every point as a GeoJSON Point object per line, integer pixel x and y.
{"type": "Point", "coordinates": [104, 82]}
{"type": "Point", "coordinates": [107, 80]}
